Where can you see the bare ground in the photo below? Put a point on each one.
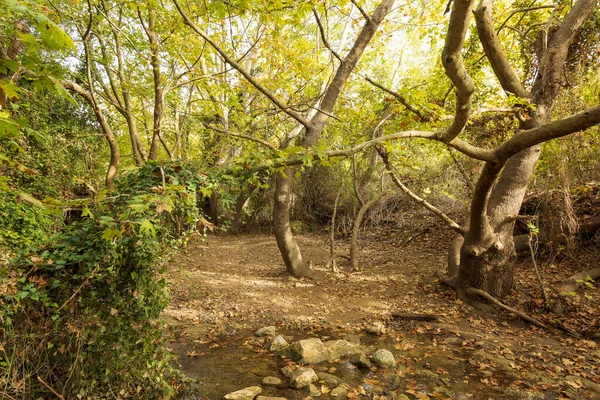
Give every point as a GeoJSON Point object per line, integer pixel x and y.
{"type": "Point", "coordinates": [227, 286]}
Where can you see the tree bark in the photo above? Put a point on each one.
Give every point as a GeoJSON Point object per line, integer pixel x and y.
{"type": "Point", "coordinates": [292, 257]}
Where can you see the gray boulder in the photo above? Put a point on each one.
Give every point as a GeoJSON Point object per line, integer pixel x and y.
{"type": "Point", "coordinates": [303, 377]}
{"type": "Point", "coordinates": [248, 393]}
{"type": "Point", "coordinates": [308, 351]}
{"type": "Point", "coordinates": [271, 381]}
{"type": "Point", "coordinates": [383, 358]}
{"type": "Point", "coordinates": [278, 343]}
{"type": "Point", "coordinates": [341, 348]}
{"type": "Point", "coordinates": [360, 360]}
{"type": "Point", "coordinates": [330, 379]}
{"type": "Point", "coordinates": [266, 331]}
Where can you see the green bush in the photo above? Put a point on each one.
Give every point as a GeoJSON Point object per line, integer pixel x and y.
{"type": "Point", "coordinates": [81, 313]}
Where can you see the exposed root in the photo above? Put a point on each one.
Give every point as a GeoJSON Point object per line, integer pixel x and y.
{"type": "Point", "coordinates": [477, 292]}
{"type": "Point", "coordinates": [448, 281]}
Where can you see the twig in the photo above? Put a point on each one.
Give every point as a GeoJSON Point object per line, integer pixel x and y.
{"type": "Point", "coordinates": [532, 249]}
{"type": "Point", "coordinates": [332, 237]}
{"type": "Point", "coordinates": [78, 290]}
{"type": "Point", "coordinates": [54, 392]}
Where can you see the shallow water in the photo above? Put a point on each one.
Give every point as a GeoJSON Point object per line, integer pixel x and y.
{"type": "Point", "coordinates": [235, 361]}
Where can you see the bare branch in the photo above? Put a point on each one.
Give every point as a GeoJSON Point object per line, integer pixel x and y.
{"type": "Point", "coordinates": [403, 100]}
{"type": "Point", "coordinates": [241, 69]}
{"type": "Point", "coordinates": [384, 156]}
{"type": "Point", "coordinates": [324, 37]}
{"type": "Point", "coordinates": [242, 136]}
{"type": "Point", "coordinates": [493, 51]}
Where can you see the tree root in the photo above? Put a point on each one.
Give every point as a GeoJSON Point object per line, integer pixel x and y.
{"type": "Point", "coordinates": [477, 292]}
{"type": "Point", "coordinates": [448, 281]}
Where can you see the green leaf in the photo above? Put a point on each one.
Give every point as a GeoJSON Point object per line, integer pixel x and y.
{"type": "Point", "coordinates": [146, 227]}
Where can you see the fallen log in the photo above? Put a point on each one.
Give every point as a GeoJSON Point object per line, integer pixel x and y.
{"type": "Point", "coordinates": [415, 317]}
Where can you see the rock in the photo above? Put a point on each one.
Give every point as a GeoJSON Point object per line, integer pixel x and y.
{"type": "Point", "coordinates": [429, 376]}
{"type": "Point", "coordinates": [522, 395]}
{"type": "Point", "coordinates": [248, 393]}
{"type": "Point", "coordinates": [340, 392]}
{"type": "Point", "coordinates": [383, 358]}
{"type": "Point", "coordinates": [340, 348]}
{"type": "Point", "coordinates": [377, 328]}
{"type": "Point", "coordinates": [392, 380]}
{"type": "Point", "coordinates": [308, 351]}
{"type": "Point", "coordinates": [303, 377]}
{"type": "Point", "coordinates": [270, 398]}
{"type": "Point", "coordinates": [314, 391]}
{"type": "Point", "coordinates": [266, 331]}
{"type": "Point", "coordinates": [352, 338]}
{"type": "Point", "coordinates": [278, 343]}
{"type": "Point", "coordinates": [287, 371]}
{"type": "Point", "coordinates": [271, 381]}
{"type": "Point", "coordinates": [329, 378]}
{"type": "Point", "coordinates": [360, 360]}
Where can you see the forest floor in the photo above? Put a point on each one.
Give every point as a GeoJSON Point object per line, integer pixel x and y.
{"type": "Point", "coordinates": [227, 286]}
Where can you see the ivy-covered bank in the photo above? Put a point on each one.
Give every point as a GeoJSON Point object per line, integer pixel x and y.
{"type": "Point", "coordinates": [80, 311]}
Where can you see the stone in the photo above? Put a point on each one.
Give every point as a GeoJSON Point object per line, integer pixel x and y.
{"type": "Point", "coordinates": [429, 376]}
{"type": "Point", "coordinates": [340, 348]}
{"type": "Point", "coordinates": [314, 391]}
{"type": "Point", "coordinates": [271, 381]}
{"type": "Point", "coordinates": [303, 377]}
{"type": "Point", "coordinates": [383, 358]}
{"type": "Point", "coordinates": [287, 371]}
{"type": "Point", "coordinates": [376, 328]}
{"type": "Point", "coordinates": [266, 331]}
{"type": "Point", "coordinates": [340, 392]}
{"type": "Point", "coordinates": [270, 398]}
{"type": "Point", "coordinates": [308, 351]}
{"type": "Point", "coordinates": [360, 360]}
{"type": "Point", "coordinates": [392, 380]}
{"type": "Point", "coordinates": [352, 338]}
{"type": "Point", "coordinates": [278, 343]}
{"type": "Point", "coordinates": [248, 393]}
{"type": "Point", "coordinates": [329, 378]}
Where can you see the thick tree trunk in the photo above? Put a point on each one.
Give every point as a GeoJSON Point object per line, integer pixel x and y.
{"type": "Point", "coordinates": [288, 247]}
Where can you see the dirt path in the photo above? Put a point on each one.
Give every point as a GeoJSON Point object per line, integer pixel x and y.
{"type": "Point", "coordinates": [228, 286]}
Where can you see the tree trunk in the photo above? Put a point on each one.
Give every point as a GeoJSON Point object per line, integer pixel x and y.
{"type": "Point", "coordinates": [288, 247]}
{"type": "Point", "coordinates": [356, 229]}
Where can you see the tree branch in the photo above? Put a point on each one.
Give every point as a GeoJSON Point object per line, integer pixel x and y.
{"type": "Point", "coordinates": [384, 156]}
{"type": "Point", "coordinates": [242, 136]}
{"type": "Point", "coordinates": [455, 69]}
{"type": "Point", "coordinates": [403, 100]}
{"type": "Point", "coordinates": [493, 51]}
{"type": "Point", "coordinates": [324, 37]}
{"type": "Point", "coordinates": [306, 123]}
{"type": "Point", "coordinates": [552, 130]}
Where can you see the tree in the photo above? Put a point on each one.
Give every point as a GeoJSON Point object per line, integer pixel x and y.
{"type": "Point", "coordinates": [487, 248]}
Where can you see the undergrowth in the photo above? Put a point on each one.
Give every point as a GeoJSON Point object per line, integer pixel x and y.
{"type": "Point", "coordinates": [80, 312]}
